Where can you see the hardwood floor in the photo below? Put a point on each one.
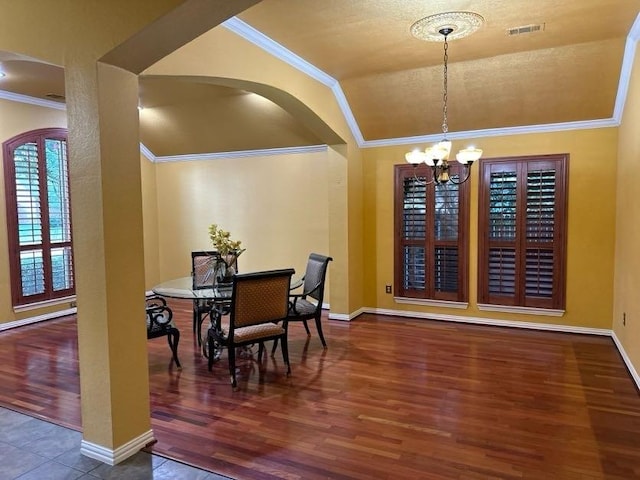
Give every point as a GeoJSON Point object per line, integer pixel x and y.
{"type": "Point", "coordinates": [391, 398]}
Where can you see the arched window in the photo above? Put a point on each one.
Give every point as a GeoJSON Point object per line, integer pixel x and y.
{"type": "Point", "coordinates": [38, 216]}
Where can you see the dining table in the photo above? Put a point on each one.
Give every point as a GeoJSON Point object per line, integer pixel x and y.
{"type": "Point", "coordinates": [217, 296]}
{"type": "Point", "coordinates": [183, 288]}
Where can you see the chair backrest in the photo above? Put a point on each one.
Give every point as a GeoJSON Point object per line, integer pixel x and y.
{"type": "Point", "coordinates": [203, 264]}
{"type": "Point", "coordinates": [315, 275]}
{"type": "Point", "coordinates": [260, 297]}
{"type": "Point", "coordinates": [159, 317]}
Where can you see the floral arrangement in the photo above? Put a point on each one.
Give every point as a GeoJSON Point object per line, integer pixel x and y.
{"type": "Point", "coordinates": [221, 240]}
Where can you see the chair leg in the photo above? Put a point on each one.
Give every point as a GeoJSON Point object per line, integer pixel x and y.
{"type": "Point", "coordinates": [285, 353]}
{"type": "Point", "coordinates": [198, 331]}
{"type": "Point", "coordinates": [232, 365]}
{"type": "Point", "coordinates": [306, 327]}
{"type": "Point", "coordinates": [319, 328]}
{"type": "Point", "coordinates": [196, 314]}
{"type": "Point", "coordinates": [211, 346]}
{"type": "Point", "coordinates": [173, 337]}
{"type": "Point", "coordinates": [275, 346]}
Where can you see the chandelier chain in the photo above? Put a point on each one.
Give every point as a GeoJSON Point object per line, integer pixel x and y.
{"type": "Point", "coordinates": [437, 156]}
{"type": "Point", "coordinates": [445, 125]}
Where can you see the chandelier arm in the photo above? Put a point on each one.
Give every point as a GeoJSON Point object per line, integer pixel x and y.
{"type": "Point", "coordinates": [467, 174]}
{"type": "Point", "coordinates": [437, 171]}
{"type": "Point", "coordinates": [417, 180]}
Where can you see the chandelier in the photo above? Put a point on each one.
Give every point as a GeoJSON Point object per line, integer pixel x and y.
{"type": "Point", "coordinates": [435, 28]}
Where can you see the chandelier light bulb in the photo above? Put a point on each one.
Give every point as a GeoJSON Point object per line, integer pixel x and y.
{"type": "Point", "coordinates": [415, 157]}
{"type": "Point", "coordinates": [468, 155]}
{"type": "Point", "coordinates": [442, 150]}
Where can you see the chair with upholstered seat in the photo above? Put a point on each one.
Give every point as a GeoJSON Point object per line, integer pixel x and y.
{"type": "Point", "coordinates": [258, 311]}
{"type": "Point", "coordinates": [160, 324]}
{"type": "Point", "coordinates": [301, 308]}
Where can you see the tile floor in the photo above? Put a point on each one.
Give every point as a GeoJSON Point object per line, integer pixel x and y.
{"type": "Point", "coordinates": [32, 449]}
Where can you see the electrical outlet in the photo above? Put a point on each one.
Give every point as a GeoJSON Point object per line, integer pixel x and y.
{"type": "Point", "coordinates": [388, 289]}
{"type": "Point", "coordinates": [624, 319]}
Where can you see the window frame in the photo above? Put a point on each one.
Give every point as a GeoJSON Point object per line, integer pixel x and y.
{"type": "Point", "coordinates": [38, 137]}
{"type": "Point", "coordinates": [558, 245]}
{"type": "Point", "coordinates": [401, 172]}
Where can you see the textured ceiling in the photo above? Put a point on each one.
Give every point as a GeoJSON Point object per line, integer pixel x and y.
{"type": "Point", "coordinates": [568, 71]}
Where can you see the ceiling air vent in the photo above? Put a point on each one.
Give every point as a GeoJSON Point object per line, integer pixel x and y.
{"type": "Point", "coordinates": [55, 96]}
{"type": "Point", "coordinates": [525, 29]}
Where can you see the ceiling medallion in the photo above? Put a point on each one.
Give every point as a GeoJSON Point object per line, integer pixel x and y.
{"type": "Point", "coordinates": [457, 25]}
{"type": "Point", "coordinates": [462, 24]}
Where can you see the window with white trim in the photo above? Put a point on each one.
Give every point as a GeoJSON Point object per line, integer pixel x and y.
{"type": "Point", "coordinates": [431, 235]}
{"type": "Point", "coordinates": [522, 231]}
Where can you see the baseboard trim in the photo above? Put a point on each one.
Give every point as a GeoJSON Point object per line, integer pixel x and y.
{"type": "Point", "coordinates": [36, 319]}
{"type": "Point", "coordinates": [347, 317]}
{"type": "Point", "coordinates": [626, 359]}
{"type": "Point", "coordinates": [490, 321]}
{"type": "Point", "coordinates": [113, 457]}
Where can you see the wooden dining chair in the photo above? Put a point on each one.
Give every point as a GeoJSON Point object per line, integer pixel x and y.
{"type": "Point", "coordinates": [259, 306]}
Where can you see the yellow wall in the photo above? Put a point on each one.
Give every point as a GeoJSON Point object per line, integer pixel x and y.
{"type": "Point", "coordinates": [276, 205]}
{"type": "Point", "coordinates": [223, 57]}
{"type": "Point", "coordinates": [150, 222]}
{"type": "Point", "coordinates": [17, 118]}
{"type": "Point", "coordinates": [590, 230]}
{"type": "Point", "coordinates": [285, 199]}
{"type": "Point", "coordinates": [106, 182]}
{"type": "Point", "coordinates": [627, 262]}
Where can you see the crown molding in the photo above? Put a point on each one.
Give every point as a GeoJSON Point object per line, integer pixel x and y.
{"type": "Point", "coordinates": [625, 70]}
{"type": "Point", "coordinates": [40, 102]}
{"type": "Point", "coordinates": [272, 47]}
{"type": "Point", "coordinates": [147, 153]}
{"type": "Point", "coordinates": [256, 37]}
{"type": "Point", "coordinates": [494, 132]}
{"type": "Point", "coordinates": [241, 154]}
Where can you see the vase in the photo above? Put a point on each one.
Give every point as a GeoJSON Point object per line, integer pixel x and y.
{"type": "Point", "coordinates": [225, 269]}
